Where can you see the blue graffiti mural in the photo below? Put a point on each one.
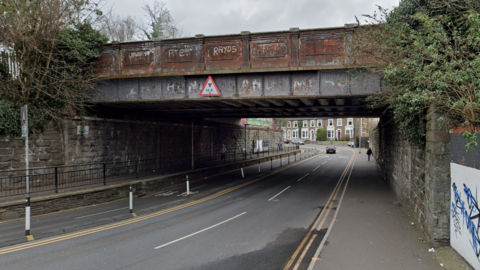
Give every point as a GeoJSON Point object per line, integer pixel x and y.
{"type": "Point", "coordinates": [470, 215]}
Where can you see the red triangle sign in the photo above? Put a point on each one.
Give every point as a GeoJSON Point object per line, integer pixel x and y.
{"type": "Point", "coordinates": [210, 89]}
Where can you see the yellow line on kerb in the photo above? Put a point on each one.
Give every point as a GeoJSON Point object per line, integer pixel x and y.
{"type": "Point", "coordinates": [321, 219]}
{"type": "Point", "coordinates": [138, 218]}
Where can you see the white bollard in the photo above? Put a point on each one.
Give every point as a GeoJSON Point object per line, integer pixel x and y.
{"type": "Point", "coordinates": [131, 200]}
{"type": "Point", "coordinates": [243, 176]}
{"type": "Point", "coordinates": [27, 217]}
{"type": "Point", "coordinates": [188, 187]}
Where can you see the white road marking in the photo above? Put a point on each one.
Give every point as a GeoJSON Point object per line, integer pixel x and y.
{"type": "Point", "coordinates": [101, 213]}
{"type": "Point", "coordinates": [303, 177]}
{"type": "Point", "coordinates": [170, 193]}
{"type": "Point", "coordinates": [198, 187]}
{"type": "Point", "coordinates": [316, 168]}
{"type": "Point", "coordinates": [195, 233]}
{"type": "Point", "coordinates": [184, 194]}
{"type": "Point", "coordinates": [324, 162]}
{"type": "Point", "coordinates": [279, 193]}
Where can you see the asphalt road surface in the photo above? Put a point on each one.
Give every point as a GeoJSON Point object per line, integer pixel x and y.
{"type": "Point", "coordinates": [273, 220]}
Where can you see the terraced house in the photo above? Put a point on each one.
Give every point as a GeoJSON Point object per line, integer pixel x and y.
{"type": "Point", "coordinates": [337, 128]}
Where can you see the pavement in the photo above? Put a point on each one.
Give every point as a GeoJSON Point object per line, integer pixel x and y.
{"type": "Point", "coordinates": [370, 230]}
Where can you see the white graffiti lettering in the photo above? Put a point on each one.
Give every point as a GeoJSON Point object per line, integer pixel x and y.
{"type": "Point", "coordinates": [224, 49]}
{"type": "Point", "coordinates": [181, 53]}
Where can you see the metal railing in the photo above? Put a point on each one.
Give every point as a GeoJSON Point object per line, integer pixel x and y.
{"type": "Point", "coordinates": [13, 182]}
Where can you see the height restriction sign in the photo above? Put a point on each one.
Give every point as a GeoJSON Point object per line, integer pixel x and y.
{"type": "Point", "coordinates": [210, 89]}
{"type": "Point", "coordinates": [24, 116]}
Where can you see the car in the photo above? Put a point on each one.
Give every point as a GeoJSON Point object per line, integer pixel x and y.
{"type": "Point", "coordinates": [286, 141]}
{"type": "Point", "coordinates": [331, 149]}
{"type": "Point", "coordinates": [351, 144]}
{"type": "Point", "coordinates": [298, 141]}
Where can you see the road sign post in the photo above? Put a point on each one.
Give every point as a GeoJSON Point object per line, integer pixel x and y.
{"type": "Point", "coordinates": [24, 118]}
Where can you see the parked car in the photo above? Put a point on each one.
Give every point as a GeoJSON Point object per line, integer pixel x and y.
{"type": "Point", "coordinates": [351, 144]}
{"type": "Point", "coordinates": [286, 141]}
{"type": "Point", "coordinates": [331, 149]}
{"type": "Point", "coordinates": [298, 141]}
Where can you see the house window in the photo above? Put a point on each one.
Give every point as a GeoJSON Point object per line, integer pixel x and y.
{"type": "Point", "coordinates": [305, 123]}
{"type": "Point", "coordinates": [330, 122]}
{"type": "Point", "coordinates": [295, 124]}
{"type": "Point", "coordinates": [304, 133]}
{"type": "Point", "coordinates": [339, 122]}
{"type": "Point", "coordinates": [319, 123]}
{"type": "Point", "coordinates": [295, 134]}
{"type": "Point", "coordinates": [330, 134]}
{"type": "Point", "coordinates": [312, 123]}
{"type": "Point", "coordinates": [283, 124]}
{"type": "Point", "coordinates": [289, 124]}
{"type": "Point", "coordinates": [350, 121]}
{"type": "Point", "coordinates": [349, 132]}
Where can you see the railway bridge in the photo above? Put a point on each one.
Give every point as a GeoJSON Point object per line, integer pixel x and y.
{"type": "Point", "coordinates": [293, 73]}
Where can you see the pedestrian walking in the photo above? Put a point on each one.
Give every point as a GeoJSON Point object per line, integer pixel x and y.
{"type": "Point", "coordinates": [224, 150]}
{"type": "Point", "coordinates": [369, 152]}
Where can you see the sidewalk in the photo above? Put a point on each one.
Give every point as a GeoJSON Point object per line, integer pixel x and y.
{"type": "Point", "coordinates": [371, 231]}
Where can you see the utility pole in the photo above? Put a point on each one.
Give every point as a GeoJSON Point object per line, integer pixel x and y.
{"type": "Point", "coordinates": [360, 137]}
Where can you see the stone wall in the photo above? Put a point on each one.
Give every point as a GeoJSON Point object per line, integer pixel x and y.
{"type": "Point", "coordinates": [420, 177]}
{"type": "Point", "coordinates": [111, 140]}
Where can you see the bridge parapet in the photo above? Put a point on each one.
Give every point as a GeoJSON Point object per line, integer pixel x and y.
{"type": "Point", "coordinates": [292, 50]}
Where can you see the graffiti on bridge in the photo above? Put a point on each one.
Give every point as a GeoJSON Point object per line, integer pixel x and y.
{"type": "Point", "coordinates": [468, 211]}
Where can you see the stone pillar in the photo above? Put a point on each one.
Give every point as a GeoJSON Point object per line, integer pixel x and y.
{"type": "Point", "coordinates": [246, 49]}
{"type": "Point", "coordinates": [437, 180]}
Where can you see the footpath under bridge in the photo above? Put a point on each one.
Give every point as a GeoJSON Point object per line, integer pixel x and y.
{"type": "Point", "coordinates": [295, 73]}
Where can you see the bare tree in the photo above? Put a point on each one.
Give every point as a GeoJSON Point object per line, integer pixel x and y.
{"type": "Point", "coordinates": [118, 28]}
{"type": "Point", "coordinates": [161, 24]}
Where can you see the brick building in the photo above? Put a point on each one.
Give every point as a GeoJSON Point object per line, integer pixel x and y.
{"type": "Point", "coordinates": [337, 128]}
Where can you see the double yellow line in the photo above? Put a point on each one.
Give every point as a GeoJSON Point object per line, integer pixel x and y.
{"type": "Point", "coordinates": [38, 243]}
{"type": "Point", "coordinates": [317, 225]}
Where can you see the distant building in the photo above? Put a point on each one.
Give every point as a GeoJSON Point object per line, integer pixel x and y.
{"type": "Point", "coordinates": [337, 128]}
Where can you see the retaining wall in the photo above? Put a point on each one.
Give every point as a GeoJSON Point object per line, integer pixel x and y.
{"type": "Point", "coordinates": [420, 177]}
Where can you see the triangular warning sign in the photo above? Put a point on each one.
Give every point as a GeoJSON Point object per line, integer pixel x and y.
{"type": "Point", "coordinates": [210, 89]}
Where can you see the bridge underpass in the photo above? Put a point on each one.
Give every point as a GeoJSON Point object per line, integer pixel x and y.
{"type": "Point", "coordinates": [296, 73]}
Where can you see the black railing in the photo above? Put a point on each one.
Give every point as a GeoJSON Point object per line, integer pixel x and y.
{"type": "Point", "coordinates": [13, 182]}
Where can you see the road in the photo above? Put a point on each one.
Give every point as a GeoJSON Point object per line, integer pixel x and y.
{"type": "Point", "coordinates": [275, 220]}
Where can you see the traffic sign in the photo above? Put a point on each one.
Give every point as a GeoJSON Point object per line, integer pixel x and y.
{"type": "Point", "coordinates": [210, 89]}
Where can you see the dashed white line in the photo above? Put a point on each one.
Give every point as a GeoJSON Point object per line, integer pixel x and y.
{"type": "Point", "coordinates": [303, 177]}
{"type": "Point", "coordinates": [316, 168]}
{"type": "Point", "coordinates": [279, 193]}
{"type": "Point", "coordinates": [206, 229]}
{"type": "Point", "coordinates": [198, 187]}
{"type": "Point", "coordinates": [101, 213]}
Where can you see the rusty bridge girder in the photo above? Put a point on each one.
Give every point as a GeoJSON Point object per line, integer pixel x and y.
{"type": "Point", "coordinates": [275, 74]}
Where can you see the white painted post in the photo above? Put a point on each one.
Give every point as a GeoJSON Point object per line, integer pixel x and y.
{"type": "Point", "coordinates": [360, 137]}
{"type": "Point", "coordinates": [188, 187]}
{"type": "Point", "coordinates": [259, 167]}
{"type": "Point", "coordinates": [131, 199]}
{"type": "Point", "coordinates": [243, 176]}
{"type": "Point", "coordinates": [24, 125]}
{"type": "Point", "coordinates": [27, 217]}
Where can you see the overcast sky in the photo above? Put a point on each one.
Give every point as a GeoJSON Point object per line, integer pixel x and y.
{"type": "Point", "coordinates": [217, 17]}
